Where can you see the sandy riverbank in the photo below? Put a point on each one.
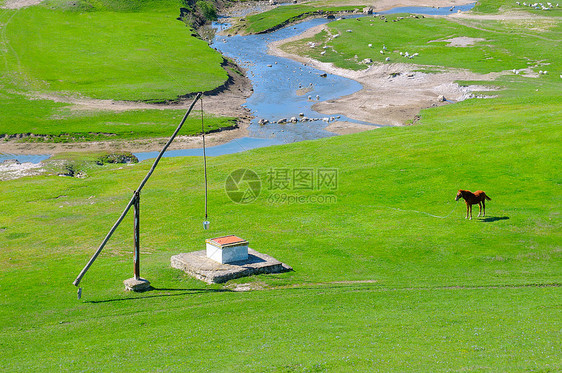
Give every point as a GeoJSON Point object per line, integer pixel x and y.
{"type": "Point", "coordinates": [394, 93]}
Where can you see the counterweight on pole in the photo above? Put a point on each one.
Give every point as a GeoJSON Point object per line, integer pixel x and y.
{"type": "Point", "coordinates": [134, 201]}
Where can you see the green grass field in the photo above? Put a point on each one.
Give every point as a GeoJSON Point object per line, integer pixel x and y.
{"type": "Point", "coordinates": [281, 15]}
{"type": "Point", "coordinates": [58, 122]}
{"type": "Point", "coordinates": [388, 275]}
{"type": "Point", "coordinates": [448, 294]}
{"type": "Point", "coordinates": [500, 45]}
{"type": "Point", "coordinates": [133, 50]}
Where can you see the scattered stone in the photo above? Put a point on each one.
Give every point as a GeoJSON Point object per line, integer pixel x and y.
{"type": "Point", "coordinates": [137, 285]}
{"type": "Point", "coordinates": [11, 162]}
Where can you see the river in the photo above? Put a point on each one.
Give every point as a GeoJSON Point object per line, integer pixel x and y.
{"type": "Point", "coordinates": [276, 82]}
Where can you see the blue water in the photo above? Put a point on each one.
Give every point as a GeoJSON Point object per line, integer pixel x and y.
{"type": "Point", "coordinates": [33, 158]}
{"type": "Point", "coordinates": [275, 81]}
{"type": "Point", "coordinates": [234, 146]}
{"type": "Point", "coordinates": [443, 11]}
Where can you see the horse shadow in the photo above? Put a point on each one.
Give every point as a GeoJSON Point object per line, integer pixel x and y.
{"type": "Point", "coordinates": [492, 219]}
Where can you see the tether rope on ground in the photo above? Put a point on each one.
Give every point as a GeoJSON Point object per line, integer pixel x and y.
{"type": "Point", "coordinates": [420, 212]}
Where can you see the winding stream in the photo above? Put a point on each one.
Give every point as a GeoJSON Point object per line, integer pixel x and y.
{"type": "Point", "coordinates": [276, 81]}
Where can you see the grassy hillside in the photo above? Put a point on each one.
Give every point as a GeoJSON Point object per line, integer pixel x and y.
{"type": "Point", "coordinates": [132, 50]}
{"type": "Point", "coordinates": [282, 15]}
{"type": "Point", "coordinates": [442, 292]}
{"type": "Point", "coordinates": [110, 55]}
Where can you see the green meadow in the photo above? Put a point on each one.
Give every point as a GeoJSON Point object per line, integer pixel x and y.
{"type": "Point", "coordinates": [272, 19]}
{"type": "Point", "coordinates": [132, 51]}
{"type": "Point", "coordinates": [498, 45]}
{"type": "Point", "coordinates": [388, 275]}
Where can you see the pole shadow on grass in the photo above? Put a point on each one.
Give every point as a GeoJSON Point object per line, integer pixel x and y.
{"type": "Point", "coordinates": [492, 219]}
{"type": "Point", "coordinates": [180, 292]}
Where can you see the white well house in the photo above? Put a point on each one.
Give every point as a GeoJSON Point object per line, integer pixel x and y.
{"type": "Point", "coordinates": [227, 249]}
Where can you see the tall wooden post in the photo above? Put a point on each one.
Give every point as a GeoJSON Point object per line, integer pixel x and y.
{"type": "Point", "coordinates": [137, 235]}
{"type": "Point", "coordinates": [136, 283]}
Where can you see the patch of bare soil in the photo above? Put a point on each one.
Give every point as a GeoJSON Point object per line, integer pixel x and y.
{"type": "Point", "coordinates": [18, 4]}
{"type": "Point", "coordinates": [380, 5]}
{"type": "Point", "coordinates": [460, 41]}
{"type": "Point", "coordinates": [346, 128]}
{"type": "Point", "coordinates": [13, 169]}
{"type": "Point", "coordinates": [394, 94]}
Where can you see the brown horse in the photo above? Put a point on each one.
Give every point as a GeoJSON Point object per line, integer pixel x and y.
{"type": "Point", "coordinates": [478, 197]}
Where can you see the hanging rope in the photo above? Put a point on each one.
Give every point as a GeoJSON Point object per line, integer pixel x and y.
{"type": "Point", "coordinates": [204, 156]}
{"type": "Point", "coordinates": [419, 212]}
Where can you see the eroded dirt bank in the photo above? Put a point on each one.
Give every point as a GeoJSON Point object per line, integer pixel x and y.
{"type": "Point", "coordinates": [226, 101]}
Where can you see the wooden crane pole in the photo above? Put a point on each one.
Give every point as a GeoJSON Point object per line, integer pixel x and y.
{"type": "Point", "coordinates": [134, 202]}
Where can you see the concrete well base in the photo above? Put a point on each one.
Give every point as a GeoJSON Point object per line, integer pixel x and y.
{"type": "Point", "coordinates": [198, 265]}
